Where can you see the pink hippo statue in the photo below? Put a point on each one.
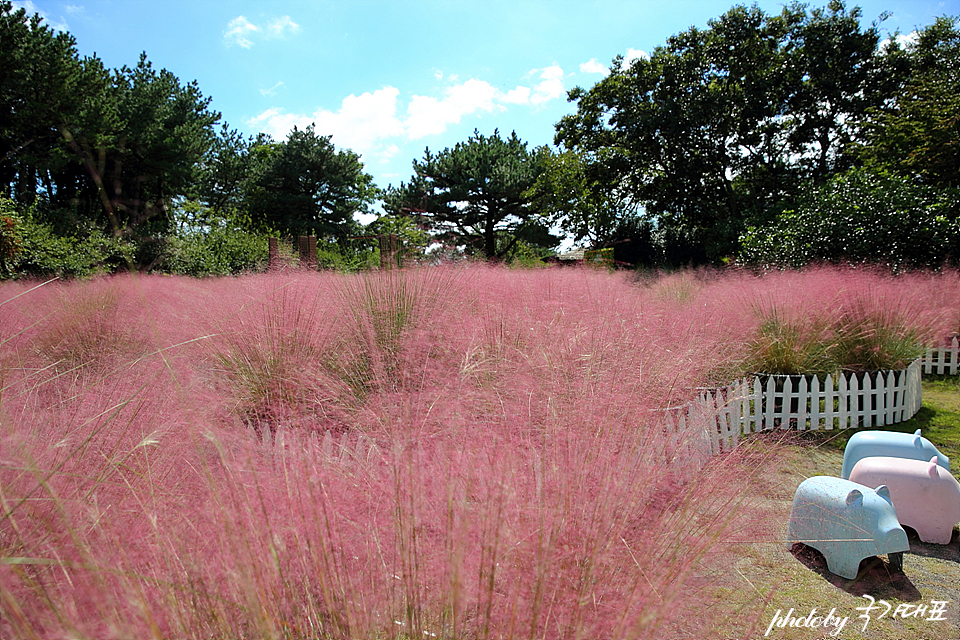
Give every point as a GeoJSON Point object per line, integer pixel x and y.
{"type": "Point", "coordinates": [925, 495]}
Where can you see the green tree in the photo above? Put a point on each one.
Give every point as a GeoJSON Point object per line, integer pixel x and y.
{"type": "Point", "coordinates": [165, 130]}
{"type": "Point", "coordinates": [305, 186]}
{"type": "Point", "coordinates": [477, 194]}
{"type": "Point", "coordinates": [718, 128]}
{"type": "Point", "coordinates": [208, 243]}
{"type": "Point", "coordinates": [576, 195]}
{"type": "Point", "coordinates": [841, 77]}
{"type": "Point", "coordinates": [413, 238]}
{"type": "Point", "coordinates": [40, 80]}
{"type": "Point", "coordinates": [36, 248]}
{"type": "Point", "coordinates": [227, 170]}
{"type": "Point", "coordinates": [861, 217]}
{"type": "Point", "coordinates": [11, 241]}
{"type": "Point", "coordinates": [917, 132]}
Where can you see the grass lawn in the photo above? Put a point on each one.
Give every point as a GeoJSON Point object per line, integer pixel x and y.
{"type": "Point", "coordinates": [770, 578]}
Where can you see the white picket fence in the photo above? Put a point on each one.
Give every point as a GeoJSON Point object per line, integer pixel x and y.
{"type": "Point", "coordinates": [944, 359]}
{"type": "Point", "coordinates": [719, 417]}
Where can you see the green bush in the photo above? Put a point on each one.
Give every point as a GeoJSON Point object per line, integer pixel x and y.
{"type": "Point", "coordinates": [220, 249]}
{"type": "Point", "coordinates": [858, 331]}
{"type": "Point", "coordinates": [35, 248]}
{"type": "Point", "coordinates": [860, 217]}
{"type": "Point", "coordinates": [10, 241]}
{"type": "Point", "coordinates": [346, 257]}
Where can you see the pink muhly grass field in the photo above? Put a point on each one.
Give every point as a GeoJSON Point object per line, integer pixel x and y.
{"type": "Point", "coordinates": [447, 452]}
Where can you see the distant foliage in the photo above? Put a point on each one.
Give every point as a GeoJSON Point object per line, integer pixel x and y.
{"type": "Point", "coordinates": [31, 247]}
{"type": "Point", "coordinates": [917, 132]}
{"type": "Point", "coordinates": [721, 128]}
{"type": "Point", "coordinates": [216, 251]}
{"type": "Point", "coordinates": [10, 240]}
{"type": "Point", "coordinates": [478, 195]}
{"type": "Point", "coordinates": [862, 217]}
{"type": "Point", "coordinates": [306, 186]}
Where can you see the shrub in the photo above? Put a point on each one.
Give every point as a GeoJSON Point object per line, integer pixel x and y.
{"type": "Point", "coordinates": [42, 252]}
{"type": "Point", "coordinates": [221, 249]}
{"type": "Point", "coordinates": [792, 346]}
{"type": "Point", "coordinates": [860, 217]}
{"type": "Point", "coordinates": [10, 240]}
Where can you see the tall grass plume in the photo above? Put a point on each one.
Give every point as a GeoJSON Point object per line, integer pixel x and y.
{"type": "Point", "coordinates": [470, 452]}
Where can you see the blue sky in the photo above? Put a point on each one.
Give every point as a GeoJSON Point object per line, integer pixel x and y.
{"type": "Point", "coordinates": [388, 78]}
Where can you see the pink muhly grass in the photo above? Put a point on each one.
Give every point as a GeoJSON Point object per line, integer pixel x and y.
{"type": "Point", "coordinates": [453, 453]}
{"type": "Point", "coordinates": [827, 319]}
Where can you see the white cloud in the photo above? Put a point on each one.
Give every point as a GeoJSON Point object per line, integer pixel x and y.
{"type": "Point", "coordinates": [240, 30]}
{"type": "Point", "coordinates": [374, 124]}
{"type": "Point", "coordinates": [237, 31]}
{"type": "Point", "coordinates": [277, 123]}
{"type": "Point", "coordinates": [29, 6]}
{"type": "Point", "coordinates": [272, 91]}
{"type": "Point", "coordinates": [631, 55]}
{"type": "Point", "coordinates": [593, 66]}
{"type": "Point", "coordinates": [549, 88]}
{"type": "Point", "coordinates": [31, 9]}
{"type": "Point", "coordinates": [905, 40]}
{"type": "Point", "coordinates": [362, 123]}
{"type": "Point", "coordinates": [278, 27]}
{"type": "Point", "coordinates": [520, 95]}
{"type": "Point", "coordinates": [427, 115]}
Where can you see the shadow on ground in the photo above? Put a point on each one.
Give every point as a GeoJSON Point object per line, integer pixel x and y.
{"type": "Point", "coordinates": [876, 576]}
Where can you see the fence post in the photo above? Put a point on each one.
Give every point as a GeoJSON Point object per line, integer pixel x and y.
{"type": "Point", "coordinates": [815, 403]}
{"type": "Point", "coordinates": [389, 252]}
{"type": "Point", "coordinates": [273, 253]}
{"type": "Point", "coordinates": [308, 251]}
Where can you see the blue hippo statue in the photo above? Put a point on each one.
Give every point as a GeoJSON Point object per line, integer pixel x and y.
{"type": "Point", "coordinates": [846, 522]}
{"type": "Point", "coordinates": [891, 444]}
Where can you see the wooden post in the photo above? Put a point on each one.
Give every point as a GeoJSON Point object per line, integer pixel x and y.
{"type": "Point", "coordinates": [395, 255]}
{"type": "Point", "coordinates": [390, 256]}
{"type": "Point", "coordinates": [384, 252]}
{"type": "Point", "coordinates": [308, 251]}
{"type": "Point", "coordinates": [273, 251]}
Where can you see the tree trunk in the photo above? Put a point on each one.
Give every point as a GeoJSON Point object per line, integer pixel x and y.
{"type": "Point", "coordinates": [490, 238]}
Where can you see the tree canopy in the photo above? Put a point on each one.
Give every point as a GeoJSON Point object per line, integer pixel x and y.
{"type": "Point", "coordinates": [718, 129]}
{"type": "Point", "coordinates": [305, 186]}
{"type": "Point", "coordinates": [577, 196]}
{"type": "Point", "coordinates": [110, 157]}
{"type": "Point", "coordinates": [862, 217]}
{"type": "Point", "coordinates": [477, 194]}
{"type": "Point", "coordinates": [916, 133]}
